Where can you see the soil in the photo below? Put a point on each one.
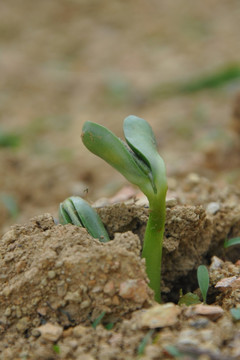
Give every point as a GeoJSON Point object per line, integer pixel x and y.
{"type": "Point", "coordinates": [57, 280]}
{"type": "Point", "coordinates": [63, 294]}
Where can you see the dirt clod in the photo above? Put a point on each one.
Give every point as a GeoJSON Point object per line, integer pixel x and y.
{"type": "Point", "coordinates": [57, 280]}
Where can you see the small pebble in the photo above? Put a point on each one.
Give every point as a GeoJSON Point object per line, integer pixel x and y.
{"type": "Point", "coordinates": [199, 323]}
{"type": "Point", "coordinates": [213, 312]}
{"type": "Point", "coordinates": [171, 202]}
{"type": "Point", "coordinates": [216, 263]}
{"type": "Point", "coordinates": [51, 274]}
{"type": "Point", "coordinates": [188, 337]}
{"type": "Point", "coordinates": [213, 208]}
{"type": "Point", "coordinates": [193, 178]}
{"type": "Point", "coordinates": [23, 324]}
{"type": "Point", "coordinates": [79, 331]}
{"type": "Point", "coordinates": [232, 282]}
{"type": "Point", "coordinates": [8, 312]}
{"type": "Point", "coordinates": [109, 288]}
{"type": "Point", "coordinates": [36, 333]}
{"type": "Point", "coordinates": [134, 289]}
{"type": "Point", "coordinates": [160, 316]}
{"type": "Point", "coordinates": [50, 332]}
{"type": "Point", "coordinates": [85, 304]}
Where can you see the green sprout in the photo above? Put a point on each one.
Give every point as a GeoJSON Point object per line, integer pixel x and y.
{"type": "Point", "coordinates": [188, 299]}
{"type": "Point", "coordinates": [139, 162]}
{"type": "Point", "coordinates": [203, 281]}
{"type": "Point", "coordinates": [98, 320]}
{"type": "Point", "coordinates": [9, 140]}
{"type": "Point", "coordinates": [231, 242]}
{"type": "Point", "coordinates": [77, 211]}
{"type": "Point", "coordinates": [144, 342]}
{"type": "Point", "coordinates": [10, 204]}
{"type": "Point", "coordinates": [235, 312]}
{"type": "Point", "coordinates": [56, 348]}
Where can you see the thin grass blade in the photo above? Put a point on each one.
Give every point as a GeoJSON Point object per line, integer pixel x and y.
{"type": "Point", "coordinates": [203, 280]}
{"type": "Point", "coordinates": [231, 242]}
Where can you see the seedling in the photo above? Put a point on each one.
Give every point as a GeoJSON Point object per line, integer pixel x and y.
{"type": "Point", "coordinates": [189, 299]}
{"type": "Point", "coordinates": [98, 320]}
{"type": "Point", "coordinates": [9, 140]}
{"type": "Point", "coordinates": [77, 211]}
{"type": "Point", "coordinates": [10, 204]}
{"type": "Point", "coordinates": [231, 242]}
{"type": "Point", "coordinates": [203, 281]}
{"type": "Point", "coordinates": [144, 342]}
{"type": "Point", "coordinates": [139, 162]}
{"type": "Point", "coordinates": [56, 348]}
{"type": "Point", "coordinates": [235, 312]}
{"type": "Point", "coordinates": [109, 326]}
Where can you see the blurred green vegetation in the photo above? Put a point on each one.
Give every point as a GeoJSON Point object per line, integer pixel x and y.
{"type": "Point", "coordinates": [189, 299]}
{"type": "Point", "coordinates": [9, 139]}
{"type": "Point", "coordinates": [116, 91]}
{"type": "Point", "coordinates": [145, 341]}
{"type": "Point", "coordinates": [10, 204]}
{"type": "Point", "coordinates": [214, 80]}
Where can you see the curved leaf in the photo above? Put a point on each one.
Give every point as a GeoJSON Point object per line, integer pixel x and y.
{"type": "Point", "coordinates": [203, 280]}
{"type": "Point", "coordinates": [77, 211]}
{"type": "Point", "coordinates": [231, 242]}
{"type": "Point", "coordinates": [103, 143]}
{"type": "Point", "coordinates": [141, 140]}
{"type": "Point", "coordinates": [67, 213]}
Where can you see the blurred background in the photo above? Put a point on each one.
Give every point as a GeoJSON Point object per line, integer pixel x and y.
{"type": "Point", "coordinates": [174, 63]}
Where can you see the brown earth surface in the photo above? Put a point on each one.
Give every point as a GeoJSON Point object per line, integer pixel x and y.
{"type": "Point", "coordinates": [57, 280]}
{"type": "Point", "coordinates": [66, 62]}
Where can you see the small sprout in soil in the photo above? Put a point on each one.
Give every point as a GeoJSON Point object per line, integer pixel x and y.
{"type": "Point", "coordinates": [189, 299]}
{"type": "Point", "coordinates": [10, 204]}
{"type": "Point", "coordinates": [9, 140]}
{"type": "Point", "coordinates": [109, 326]}
{"type": "Point", "coordinates": [56, 348]}
{"type": "Point", "coordinates": [138, 160]}
{"type": "Point", "coordinates": [203, 281]}
{"type": "Point", "coordinates": [231, 242]}
{"type": "Point", "coordinates": [235, 312]}
{"type": "Point", "coordinates": [98, 320]}
{"type": "Point", "coordinates": [75, 210]}
{"type": "Point", "coordinates": [144, 342]}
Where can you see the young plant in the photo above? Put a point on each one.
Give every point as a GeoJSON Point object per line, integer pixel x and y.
{"type": "Point", "coordinates": [77, 211]}
{"type": "Point", "coordinates": [98, 320]}
{"type": "Point", "coordinates": [144, 342]}
{"type": "Point", "coordinates": [188, 299]}
{"type": "Point", "coordinates": [203, 281]}
{"type": "Point", "coordinates": [235, 312]}
{"type": "Point", "coordinates": [231, 242]}
{"type": "Point", "coordinates": [139, 162]}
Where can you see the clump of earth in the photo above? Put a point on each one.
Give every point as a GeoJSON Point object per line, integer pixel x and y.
{"type": "Point", "coordinates": [65, 295]}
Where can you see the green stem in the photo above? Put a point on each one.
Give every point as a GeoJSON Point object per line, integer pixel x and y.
{"type": "Point", "coordinates": [153, 240]}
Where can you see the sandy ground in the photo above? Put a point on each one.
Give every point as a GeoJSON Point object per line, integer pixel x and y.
{"type": "Point", "coordinates": [66, 62]}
